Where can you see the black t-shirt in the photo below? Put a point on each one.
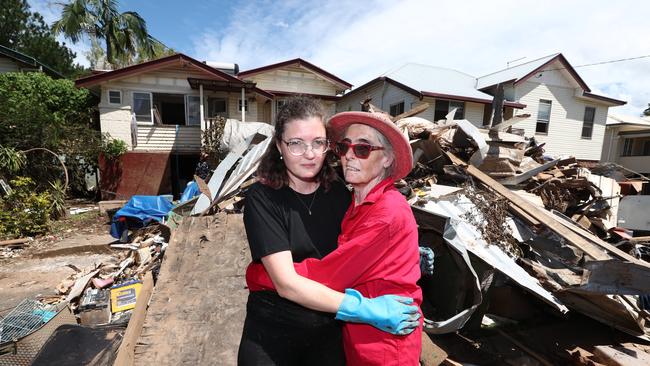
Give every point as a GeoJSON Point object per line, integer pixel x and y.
{"type": "Point", "coordinates": [279, 220]}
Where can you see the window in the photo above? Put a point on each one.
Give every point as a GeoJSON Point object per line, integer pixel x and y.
{"type": "Point", "coordinates": [588, 122]}
{"type": "Point", "coordinates": [443, 107]}
{"type": "Point", "coordinates": [543, 116]}
{"type": "Point", "coordinates": [628, 144]}
{"type": "Point", "coordinates": [114, 97]}
{"type": "Point", "coordinates": [142, 107]}
{"type": "Point", "coordinates": [193, 110]}
{"type": "Point", "coordinates": [245, 105]}
{"type": "Point", "coordinates": [646, 148]}
{"type": "Point", "coordinates": [217, 107]}
{"type": "Point", "coordinates": [397, 108]}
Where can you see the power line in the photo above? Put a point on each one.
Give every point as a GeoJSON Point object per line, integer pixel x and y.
{"type": "Point", "coordinates": [597, 63]}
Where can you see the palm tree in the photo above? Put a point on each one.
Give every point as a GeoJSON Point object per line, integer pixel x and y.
{"type": "Point", "coordinates": [124, 34]}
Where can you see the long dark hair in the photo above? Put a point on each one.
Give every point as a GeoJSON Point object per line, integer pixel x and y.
{"type": "Point", "coordinates": [272, 171]}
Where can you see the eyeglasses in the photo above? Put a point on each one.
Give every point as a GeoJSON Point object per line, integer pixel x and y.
{"type": "Point", "coordinates": [299, 147]}
{"type": "Point", "coordinates": [361, 150]}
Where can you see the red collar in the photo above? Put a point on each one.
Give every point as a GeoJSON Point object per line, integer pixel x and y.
{"type": "Point", "coordinates": [377, 191]}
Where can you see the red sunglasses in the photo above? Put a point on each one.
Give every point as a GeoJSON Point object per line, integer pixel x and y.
{"type": "Point", "coordinates": [361, 150]}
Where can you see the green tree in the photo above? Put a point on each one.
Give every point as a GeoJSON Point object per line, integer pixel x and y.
{"type": "Point", "coordinates": [124, 35]}
{"type": "Point", "coordinates": [38, 111]}
{"type": "Point", "coordinates": [27, 32]}
{"type": "Point", "coordinates": [646, 112]}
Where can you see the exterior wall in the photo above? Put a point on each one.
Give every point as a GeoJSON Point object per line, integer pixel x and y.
{"type": "Point", "coordinates": [613, 149]}
{"type": "Point", "coordinates": [8, 65]}
{"type": "Point", "coordinates": [566, 119]}
{"type": "Point", "coordinates": [294, 80]}
{"type": "Point", "coordinates": [640, 164]}
{"type": "Point", "coordinates": [116, 119]}
{"type": "Point", "coordinates": [383, 96]}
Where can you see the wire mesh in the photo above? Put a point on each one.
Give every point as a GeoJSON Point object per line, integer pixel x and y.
{"type": "Point", "coordinates": [24, 319]}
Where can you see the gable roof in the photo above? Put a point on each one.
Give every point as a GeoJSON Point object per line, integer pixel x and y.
{"type": "Point", "coordinates": [29, 61]}
{"type": "Point", "coordinates": [153, 65]}
{"type": "Point", "coordinates": [523, 72]}
{"type": "Point", "coordinates": [300, 63]}
{"type": "Point", "coordinates": [436, 82]}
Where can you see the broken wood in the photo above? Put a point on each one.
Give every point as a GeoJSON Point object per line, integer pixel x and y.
{"type": "Point", "coordinates": [14, 242]}
{"type": "Point", "coordinates": [203, 187]}
{"type": "Point", "coordinates": [589, 248]}
{"type": "Point", "coordinates": [125, 354]}
{"type": "Point", "coordinates": [615, 356]}
{"type": "Point", "coordinates": [615, 277]}
{"type": "Point", "coordinates": [419, 109]}
{"type": "Point", "coordinates": [431, 354]}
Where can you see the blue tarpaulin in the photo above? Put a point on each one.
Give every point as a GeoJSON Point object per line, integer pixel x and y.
{"type": "Point", "coordinates": [190, 192]}
{"type": "Point", "coordinates": [139, 211]}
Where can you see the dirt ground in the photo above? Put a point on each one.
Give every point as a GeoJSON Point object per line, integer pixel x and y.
{"type": "Point", "coordinates": [79, 240]}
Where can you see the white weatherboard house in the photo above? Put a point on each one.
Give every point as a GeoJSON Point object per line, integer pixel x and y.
{"type": "Point", "coordinates": [161, 106]}
{"type": "Point", "coordinates": [627, 142]}
{"type": "Point", "coordinates": [564, 113]}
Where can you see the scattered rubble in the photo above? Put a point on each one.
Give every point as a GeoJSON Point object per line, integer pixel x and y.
{"type": "Point", "coordinates": [518, 235]}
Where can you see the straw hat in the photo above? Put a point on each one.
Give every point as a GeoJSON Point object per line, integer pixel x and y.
{"type": "Point", "coordinates": [403, 162]}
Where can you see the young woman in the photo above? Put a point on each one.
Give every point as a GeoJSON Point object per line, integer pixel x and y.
{"type": "Point", "coordinates": [292, 214]}
{"type": "Point", "coordinates": [377, 252]}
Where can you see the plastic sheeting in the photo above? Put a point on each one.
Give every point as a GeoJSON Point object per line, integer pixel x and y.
{"type": "Point", "coordinates": [141, 210]}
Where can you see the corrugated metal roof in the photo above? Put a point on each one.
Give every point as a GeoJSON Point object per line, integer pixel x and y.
{"type": "Point", "coordinates": [432, 79]}
{"type": "Point", "coordinates": [619, 119]}
{"type": "Point", "coordinates": [512, 73]}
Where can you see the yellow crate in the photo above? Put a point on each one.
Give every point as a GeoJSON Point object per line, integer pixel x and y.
{"type": "Point", "coordinates": [124, 296]}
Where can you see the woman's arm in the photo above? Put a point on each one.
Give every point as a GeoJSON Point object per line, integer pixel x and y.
{"type": "Point", "coordinates": [290, 285]}
{"type": "Point", "coordinates": [390, 313]}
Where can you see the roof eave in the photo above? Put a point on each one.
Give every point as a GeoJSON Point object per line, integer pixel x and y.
{"type": "Point", "coordinates": [300, 62]}
{"type": "Point", "coordinates": [567, 66]}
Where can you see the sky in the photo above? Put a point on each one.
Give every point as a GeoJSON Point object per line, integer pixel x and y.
{"type": "Point", "coordinates": [360, 40]}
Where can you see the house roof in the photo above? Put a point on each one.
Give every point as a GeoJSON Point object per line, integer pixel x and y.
{"type": "Point", "coordinates": [301, 63]}
{"type": "Point", "coordinates": [436, 82]}
{"type": "Point", "coordinates": [523, 72]}
{"type": "Point", "coordinates": [153, 65]}
{"type": "Point", "coordinates": [622, 119]}
{"type": "Point", "coordinates": [29, 61]}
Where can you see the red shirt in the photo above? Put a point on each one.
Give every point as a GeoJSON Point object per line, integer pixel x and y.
{"type": "Point", "coordinates": [377, 255]}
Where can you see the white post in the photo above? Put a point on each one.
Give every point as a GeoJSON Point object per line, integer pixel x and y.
{"type": "Point", "coordinates": [201, 113]}
{"type": "Point", "coordinates": [243, 104]}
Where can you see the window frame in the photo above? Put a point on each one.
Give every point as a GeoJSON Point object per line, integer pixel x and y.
{"type": "Point", "coordinates": [150, 94]}
{"type": "Point", "coordinates": [108, 95]}
{"type": "Point", "coordinates": [584, 123]}
{"type": "Point", "coordinates": [210, 112]}
{"type": "Point", "coordinates": [539, 120]}
{"type": "Point", "coordinates": [239, 104]}
{"type": "Point", "coordinates": [401, 103]}
{"type": "Point", "coordinates": [187, 110]}
{"type": "Point", "coordinates": [628, 146]}
{"type": "Point", "coordinates": [449, 102]}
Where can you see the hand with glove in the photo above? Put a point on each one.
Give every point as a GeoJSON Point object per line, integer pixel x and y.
{"type": "Point", "coordinates": [426, 261]}
{"type": "Point", "coordinates": [390, 313]}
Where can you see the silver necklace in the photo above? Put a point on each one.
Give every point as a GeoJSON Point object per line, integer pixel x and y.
{"type": "Point", "coordinates": [303, 202]}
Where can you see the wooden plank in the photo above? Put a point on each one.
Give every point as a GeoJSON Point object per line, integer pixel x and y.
{"type": "Point", "coordinates": [110, 205]}
{"type": "Point", "coordinates": [523, 215]}
{"type": "Point", "coordinates": [589, 248]}
{"type": "Point", "coordinates": [419, 109]}
{"type": "Point", "coordinates": [14, 242]}
{"type": "Point", "coordinates": [431, 354]}
{"type": "Point", "coordinates": [125, 354]}
{"type": "Point", "coordinates": [616, 356]}
{"type": "Point", "coordinates": [615, 277]}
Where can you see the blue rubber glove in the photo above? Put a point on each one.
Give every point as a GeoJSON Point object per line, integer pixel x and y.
{"type": "Point", "coordinates": [390, 313]}
{"type": "Point", "coordinates": [426, 261]}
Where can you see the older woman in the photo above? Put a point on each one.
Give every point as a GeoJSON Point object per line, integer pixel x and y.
{"type": "Point", "coordinates": [377, 250]}
{"type": "Point", "coordinates": [294, 213]}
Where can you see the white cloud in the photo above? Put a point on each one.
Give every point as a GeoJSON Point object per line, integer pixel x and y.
{"type": "Point", "coordinates": [361, 40]}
